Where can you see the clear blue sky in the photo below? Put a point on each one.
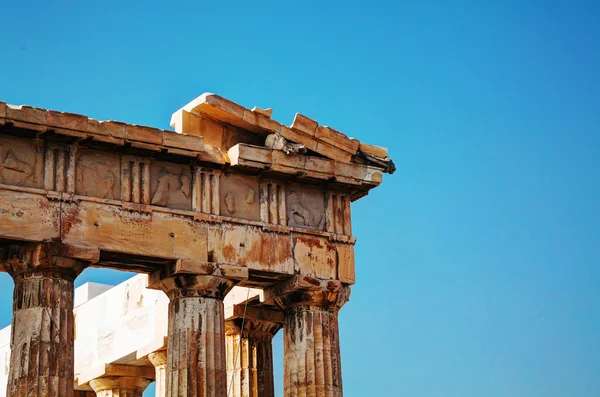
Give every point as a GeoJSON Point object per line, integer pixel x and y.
{"type": "Point", "coordinates": [479, 260]}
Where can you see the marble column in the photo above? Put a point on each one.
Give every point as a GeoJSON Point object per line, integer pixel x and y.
{"type": "Point", "coordinates": [312, 363]}
{"type": "Point", "coordinates": [196, 361]}
{"type": "Point", "coordinates": [159, 360]}
{"type": "Point", "coordinates": [42, 349]}
{"type": "Point", "coordinates": [120, 386]}
{"type": "Point", "coordinates": [250, 357]}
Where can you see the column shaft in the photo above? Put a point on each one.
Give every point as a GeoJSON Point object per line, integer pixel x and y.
{"type": "Point", "coordinates": [196, 355]}
{"type": "Point", "coordinates": [159, 360]}
{"type": "Point", "coordinates": [312, 365]}
{"type": "Point", "coordinates": [250, 364]}
{"type": "Point", "coordinates": [311, 345]}
{"type": "Point", "coordinates": [42, 356]}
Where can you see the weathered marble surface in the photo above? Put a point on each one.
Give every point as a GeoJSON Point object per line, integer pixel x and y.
{"type": "Point", "coordinates": [231, 197]}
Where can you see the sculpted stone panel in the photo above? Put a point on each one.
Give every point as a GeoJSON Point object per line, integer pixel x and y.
{"type": "Point", "coordinates": [239, 197]}
{"type": "Point", "coordinates": [21, 162]}
{"type": "Point", "coordinates": [171, 185]}
{"type": "Point", "coordinates": [305, 206]}
{"type": "Point", "coordinates": [98, 174]}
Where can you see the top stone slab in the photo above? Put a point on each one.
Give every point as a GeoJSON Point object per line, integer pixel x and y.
{"type": "Point", "coordinates": [322, 140]}
{"type": "Point", "coordinates": [219, 133]}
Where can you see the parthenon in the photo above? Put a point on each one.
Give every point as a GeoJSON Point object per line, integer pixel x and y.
{"type": "Point", "coordinates": [239, 225]}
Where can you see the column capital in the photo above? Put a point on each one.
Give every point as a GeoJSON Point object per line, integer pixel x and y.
{"type": "Point", "coordinates": [110, 377]}
{"type": "Point", "coordinates": [158, 358]}
{"type": "Point", "coordinates": [121, 384]}
{"type": "Point", "coordinates": [304, 291]}
{"type": "Point", "coordinates": [190, 278]}
{"type": "Point", "coordinates": [66, 260]}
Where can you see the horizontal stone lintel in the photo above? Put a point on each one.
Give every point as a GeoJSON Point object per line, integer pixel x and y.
{"type": "Point", "coordinates": [52, 196]}
{"type": "Point", "coordinates": [255, 313]}
{"type": "Point", "coordinates": [300, 283]}
{"type": "Point", "coordinates": [145, 242]}
{"type": "Point", "coordinates": [102, 370]}
{"type": "Point", "coordinates": [202, 268]}
{"type": "Point", "coordinates": [261, 158]}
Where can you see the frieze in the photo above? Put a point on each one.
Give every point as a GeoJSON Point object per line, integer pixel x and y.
{"type": "Point", "coordinates": [21, 162]}
{"type": "Point", "coordinates": [239, 196]}
{"type": "Point", "coordinates": [98, 174]}
{"type": "Point", "coordinates": [305, 206]}
{"type": "Point", "coordinates": [171, 185]}
{"type": "Point", "coordinates": [114, 176]}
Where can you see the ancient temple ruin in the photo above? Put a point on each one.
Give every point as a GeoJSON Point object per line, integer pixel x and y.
{"type": "Point", "coordinates": [240, 227]}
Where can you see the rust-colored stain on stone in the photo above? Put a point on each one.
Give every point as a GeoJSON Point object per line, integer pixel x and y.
{"type": "Point", "coordinates": [231, 197]}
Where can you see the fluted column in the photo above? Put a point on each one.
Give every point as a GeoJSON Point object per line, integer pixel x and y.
{"type": "Point", "coordinates": [196, 362]}
{"type": "Point", "coordinates": [42, 350]}
{"type": "Point", "coordinates": [120, 386]}
{"type": "Point", "coordinates": [159, 360]}
{"type": "Point", "coordinates": [250, 357]}
{"type": "Point", "coordinates": [312, 363]}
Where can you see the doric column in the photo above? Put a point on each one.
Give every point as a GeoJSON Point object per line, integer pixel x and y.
{"type": "Point", "coordinates": [196, 363]}
{"type": "Point", "coordinates": [42, 350]}
{"type": "Point", "coordinates": [312, 364]}
{"type": "Point", "coordinates": [159, 360]}
{"type": "Point", "coordinates": [250, 351]}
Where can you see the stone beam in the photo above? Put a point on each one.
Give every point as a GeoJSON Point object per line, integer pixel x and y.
{"type": "Point", "coordinates": [317, 168]}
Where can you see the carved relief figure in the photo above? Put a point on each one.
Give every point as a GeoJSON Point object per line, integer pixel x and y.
{"type": "Point", "coordinates": [230, 202]}
{"type": "Point", "coordinates": [230, 199]}
{"type": "Point", "coordinates": [299, 215]}
{"type": "Point", "coordinates": [14, 170]}
{"type": "Point", "coordinates": [170, 183]}
{"type": "Point", "coordinates": [239, 196]}
{"type": "Point", "coordinates": [99, 184]}
{"type": "Point", "coordinates": [97, 174]}
{"type": "Point", "coordinates": [250, 196]}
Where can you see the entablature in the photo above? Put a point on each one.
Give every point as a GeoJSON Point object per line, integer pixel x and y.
{"type": "Point", "coordinates": [148, 198]}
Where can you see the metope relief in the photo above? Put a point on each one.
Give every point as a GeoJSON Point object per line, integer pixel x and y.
{"type": "Point", "coordinates": [305, 207]}
{"type": "Point", "coordinates": [239, 196]}
{"type": "Point", "coordinates": [21, 162]}
{"type": "Point", "coordinates": [171, 185]}
{"type": "Point", "coordinates": [98, 174]}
